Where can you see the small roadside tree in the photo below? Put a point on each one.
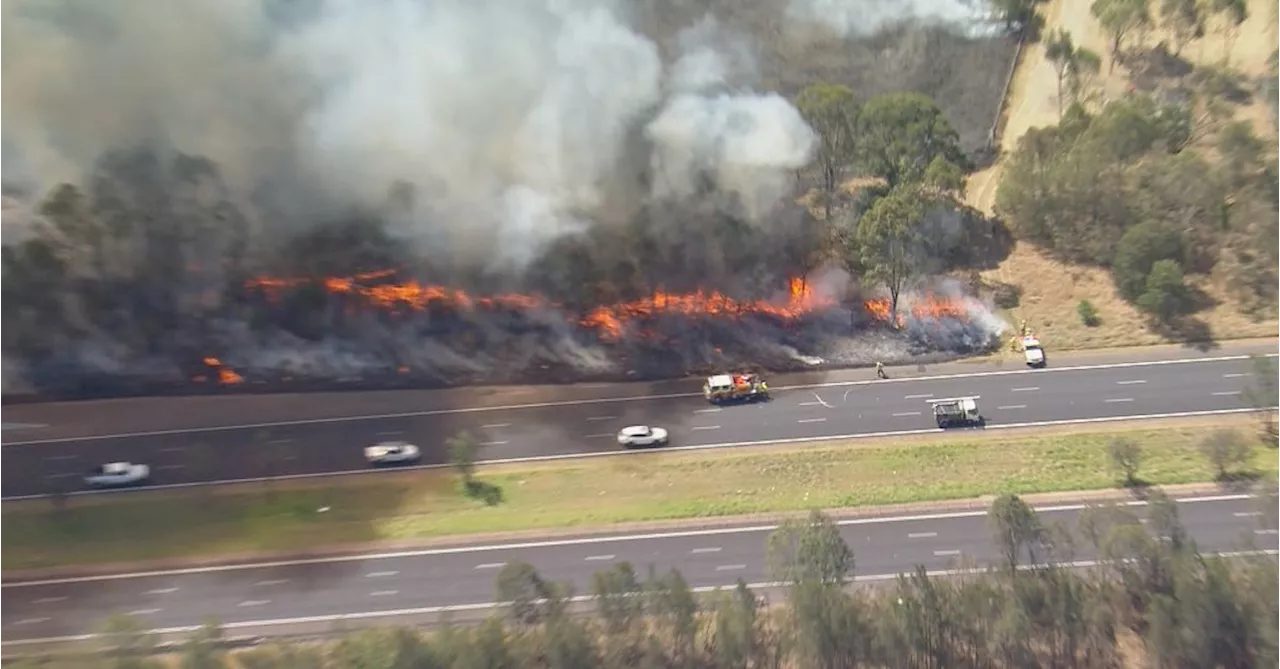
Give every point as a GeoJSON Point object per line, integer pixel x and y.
{"type": "Point", "coordinates": [1017, 530]}
{"type": "Point", "coordinates": [463, 451]}
{"type": "Point", "coordinates": [1121, 19]}
{"type": "Point", "coordinates": [1226, 451]}
{"type": "Point", "coordinates": [1126, 456]}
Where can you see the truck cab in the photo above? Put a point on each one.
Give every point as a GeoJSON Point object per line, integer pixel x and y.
{"type": "Point", "coordinates": [1033, 352]}
{"type": "Point", "coordinates": [724, 388]}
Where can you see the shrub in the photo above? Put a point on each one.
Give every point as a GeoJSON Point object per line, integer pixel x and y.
{"type": "Point", "coordinates": [1088, 313]}
{"type": "Point", "coordinates": [1006, 295]}
{"type": "Point", "coordinates": [1126, 455]}
{"type": "Point", "coordinates": [1141, 247]}
{"type": "Point", "coordinates": [1226, 452]}
{"type": "Point", "coordinates": [1167, 295]}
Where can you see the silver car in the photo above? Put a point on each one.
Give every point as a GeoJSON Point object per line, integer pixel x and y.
{"type": "Point", "coordinates": [117, 474]}
{"type": "Point", "coordinates": [391, 453]}
{"type": "Point", "coordinates": [638, 436]}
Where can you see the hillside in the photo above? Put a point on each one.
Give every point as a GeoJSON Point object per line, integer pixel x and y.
{"type": "Point", "coordinates": [1051, 289]}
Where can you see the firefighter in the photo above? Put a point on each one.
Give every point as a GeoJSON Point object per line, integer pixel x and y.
{"type": "Point", "coordinates": [880, 370]}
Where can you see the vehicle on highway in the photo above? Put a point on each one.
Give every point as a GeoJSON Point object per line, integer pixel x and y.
{"type": "Point", "coordinates": [639, 436]}
{"type": "Point", "coordinates": [957, 411]}
{"type": "Point", "coordinates": [392, 453]}
{"type": "Point", "coordinates": [1033, 351]}
{"type": "Point", "coordinates": [730, 388]}
{"type": "Point", "coordinates": [117, 474]}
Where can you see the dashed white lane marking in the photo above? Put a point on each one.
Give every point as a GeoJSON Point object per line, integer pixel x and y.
{"type": "Point", "coordinates": [384, 593]}
{"type": "Point", "coordinates": [812, 420]}
{"type": "Point", "coordinates": [144, 612]}
{"type": "Point", "coordinates": [947, 553]}
{"type": "Point", "coordinates": [921, 535]}
{"type": "Point", "coordinates": [1131, 382]}
{"type": "Point", "coordinates": [49, 600]}
{"type": "Point", "coordinates": [171, 467]}
{"type": "Point", "coordinates": [1119, 399]}
{"type": "Point", "coordinates": [918, 397]}
{"type": "Point", "coordinates": [1266, 532]}
{"type": "Point", "coordinates": [1228, 392]}
{"type": "Point", "coordinates": [491, 565]}
{"type": "Point", "coordinates": [63, 475]}
{"type": "Point", "coordinates": [32, 621]}
{"type": "Point", "coordinates": [809, 404]}
{"type": "Point", "coordinates": [709, 549]}
{"type": "Point", "coordinates": [162, 591]}
{"type": "Point", "coordinates": [1247, 514]}
{"type": "Point", "coordinates": [494, 426]}
{"type": "Point", "coordinates": [254, 602]}
{"type": "Point", "coordinates": [380, 574]}
{"type": "Point", "coordinates": [1012, 406]}
{"type": "Point", "coordinates": [707, 410]}
{"type": "Point", "coordinates": [173, 449]}
{"type": "Point", "coordinates": [600, 558]}
{"type": "Point", "coordinates": [61, 458]}
{"type": "Point", "coordinates": [601, 417]}
{"type": "Point", "coordinates": [269, 582]}
{"type": "Point", "coordinates": [280, 441]}
{"type": "Point", "coordinates": [493, 443]}
{"type": "Point", "coordinates": [906, 413]}
{"type": "Point", "coordinates": [1232, 376]}
{"type": "Point", "coordinates": [731, 567]}
{"type": "Point", "coordinates": [1024, 390]}
{"type": "Point", "coordinates": [597, 436]}
{"type": "Point", "coordinates": [706, 427]}
{"type": "Point", "coordinates": [390, 433]}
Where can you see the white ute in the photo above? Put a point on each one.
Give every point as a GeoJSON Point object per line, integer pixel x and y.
{"type": "Point", "coordinates": [637, 436]}
{"type": "Point", "coordinates": [391, 453]}
{"type": "Point", "coordinates": [1032, 351]}
{"type": "Point", "coordinates": [116, 474]}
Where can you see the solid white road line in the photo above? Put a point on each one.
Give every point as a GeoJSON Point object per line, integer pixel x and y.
{"type": "Point", "coordinates": [489, 606]}
{"type": "Point", "coordinates": [921, 535]}
{"type": "Point", "coordinates": [577, 541]}
{"type": "Point", "coordinates": [632, 399]}
{"type": "Point", "coordinates": [633, 453]}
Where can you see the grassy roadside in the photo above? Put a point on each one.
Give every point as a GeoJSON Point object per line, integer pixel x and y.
{"type": "Point", "coordinates": [297, 516]}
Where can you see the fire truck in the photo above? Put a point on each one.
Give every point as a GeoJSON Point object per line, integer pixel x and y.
{"type": "Point", "coordinates": [731, 388]}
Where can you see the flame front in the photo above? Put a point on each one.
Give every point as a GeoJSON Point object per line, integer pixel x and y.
{"type": "Point", "coordinates": [610, 320]}
{"type": "Point", "coordinates": [226, 375]}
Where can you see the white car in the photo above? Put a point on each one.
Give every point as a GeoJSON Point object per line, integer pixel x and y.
{"type": "Point", "coordinates": [116, 474]}
{"type": "Point", "coordinates": [1033, 352]}
{"type": "Point", "coordinates": [391, 453]}
{"type": "Point", "coordinates": [637, 436]}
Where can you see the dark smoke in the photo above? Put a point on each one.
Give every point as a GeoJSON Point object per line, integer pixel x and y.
{"type": "Point", "coordinates": [496, 145]}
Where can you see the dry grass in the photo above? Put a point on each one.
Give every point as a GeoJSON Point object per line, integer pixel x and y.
{"type": "Point", "coordinates": [582, 494]}
{"type": "Point", "coordinates": [1052, 290]}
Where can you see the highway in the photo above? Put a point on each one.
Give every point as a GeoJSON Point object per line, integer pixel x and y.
{"type": "Point", "coordinates": [48, 448]}
{"type": "Point", "coordinates": [267, 598]}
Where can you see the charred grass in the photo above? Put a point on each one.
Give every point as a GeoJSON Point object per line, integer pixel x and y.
{"type": "Point", "coordinates": [419, 505]}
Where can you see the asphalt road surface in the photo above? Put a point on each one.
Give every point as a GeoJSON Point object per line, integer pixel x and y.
{"type": "Point", "coordinates": [323, 436]}
{"type": "Point", "coordinates": [416, 581]}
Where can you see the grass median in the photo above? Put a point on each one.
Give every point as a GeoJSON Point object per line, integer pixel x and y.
{"type": "Point", "coordinates": [409, 505]}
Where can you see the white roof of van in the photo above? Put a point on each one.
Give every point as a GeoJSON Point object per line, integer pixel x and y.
{"type": "Point", "coordinates": [720, 380]}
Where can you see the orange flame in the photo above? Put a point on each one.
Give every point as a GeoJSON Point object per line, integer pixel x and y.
{"type": "Point", "coordinates": [609, 320]}
{"type": "Point", "coordinates": [226, 375]}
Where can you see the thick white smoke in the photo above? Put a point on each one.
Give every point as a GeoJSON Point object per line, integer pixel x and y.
{"type": "Point", "coordinates": [857, 18]}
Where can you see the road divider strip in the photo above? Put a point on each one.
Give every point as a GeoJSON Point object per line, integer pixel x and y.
{"type": "Point", "coordinates": [670, 449]}
{"type": "Point", "coordinates": [634, 398]}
